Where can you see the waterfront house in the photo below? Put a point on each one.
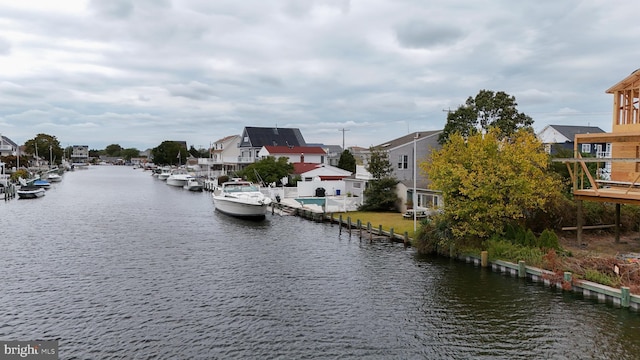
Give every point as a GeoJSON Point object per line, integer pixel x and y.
{"type": "Point", "coordinates": [254, 138]}
{"type": "Point", "coordinates": [7, 146]}
{"type": "Point", "coordinates": [301, 154]}
{"type": "Point", "coordinates": [223, 156]}
{"type": "Point", "coordinates": [80, 153]}
{"type": "Point", "coordinates": [405, 164]}
{"type": "Point", "coordinates": [321, 180]}
{"type": "Point", "coordinates": [333, 153]}
{"type": "Point", "coordinates": [622, 187]}
{"type": "Point", "coordinates": [561, 137]}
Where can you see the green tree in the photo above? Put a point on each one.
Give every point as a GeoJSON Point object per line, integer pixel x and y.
{"type": "Point", "coordinates": [486, 110]}
{"type": "Point", "coordinates": [46, 147]}
{"type": "Point", "coordinates": [194, 152]}
{"type": "Point", "coordinates": [129, 153]}
{"type": "Point", "coordinates": [490, 181]}
{"type": "Point", "coordinates": [380, 194]}
{"type": "Point", "coordinates": [347, 161]}
{"type": "Point", "coordinates": [169, 153]}
{"type": "Point", "coordinates": [113, 150]}
{"type": "Point", "coordinates": [379, 165]}
{"type": "Point", "coordinates": [268, 170]}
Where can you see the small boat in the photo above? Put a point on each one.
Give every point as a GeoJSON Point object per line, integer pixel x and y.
{"type": "Point", "coordinates": [37, 182]}
{"type": "Point", "coordinates": [164, 174]}
{"type": "Point", "coordinates": [53, 175]}
{"type": "Point", "coordinates": [40, 183]}
{"type": "Point", "coordinates": [30, 192]}
{"type": "Point", "coordinates": [178, 177]}
{"type": "Point", "coordinates": [241, 199]}
{"type": "Point", "coordinates": [193, 184]}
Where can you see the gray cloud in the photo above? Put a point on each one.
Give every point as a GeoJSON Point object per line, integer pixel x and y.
{"type": "Point", "coordinates": [5, 46]}
{"type": "Point", "coordinates": [421, 34]}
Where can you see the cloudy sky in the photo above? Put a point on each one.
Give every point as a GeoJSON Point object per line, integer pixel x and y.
{"type": "Point", "coordinates": [138, 72]}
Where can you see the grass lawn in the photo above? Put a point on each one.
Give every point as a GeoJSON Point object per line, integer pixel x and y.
{"type": "Point", "coordinates": [388, 220]}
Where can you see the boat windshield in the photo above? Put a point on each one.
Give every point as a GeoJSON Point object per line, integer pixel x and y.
{"type": "Point", "coordinates": [240, 188]}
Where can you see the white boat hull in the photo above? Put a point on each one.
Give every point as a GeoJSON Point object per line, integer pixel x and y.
{"type": "Point", "coordinates": [193, 185]}
{"type": "Point", "coordinates": [54, 178]}
{"type": "Point", "coordinates": [30, 193]}
{"type": "Point", "coordinates": [244, 209]}
{"type": "Point", "coordinates": [176, 181]}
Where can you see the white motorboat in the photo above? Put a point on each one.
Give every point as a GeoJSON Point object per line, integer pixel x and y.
{"type": "Point", "coordinates": [30, 192]}
{"type": "Point", "coordinates": [164, 173]}
{"type": "Point", "coordinates": [178, 177]}
{"type": "Point", "coordinates": [193, 184]}
{"type": "Point", "coordinates": [53, 176]}
{"type": "Point", "coordinates": [241, 199]}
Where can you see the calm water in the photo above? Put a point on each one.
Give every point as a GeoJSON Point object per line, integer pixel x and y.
{"type": "Point", "coordinates": [116, 264]}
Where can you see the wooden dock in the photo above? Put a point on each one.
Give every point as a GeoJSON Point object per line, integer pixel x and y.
{"type": "Point", "coordinates": [357, 228]}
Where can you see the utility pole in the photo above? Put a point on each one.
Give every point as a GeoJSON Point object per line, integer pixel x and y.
{"type": "Point", "coordinates": [343, 131]}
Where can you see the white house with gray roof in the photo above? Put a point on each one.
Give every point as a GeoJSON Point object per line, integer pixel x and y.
{"type": "Point", "coordinates": [557, 137]}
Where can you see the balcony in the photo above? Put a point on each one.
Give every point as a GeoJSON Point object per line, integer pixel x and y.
{"type": "Point", "coordinates": [245, 160]}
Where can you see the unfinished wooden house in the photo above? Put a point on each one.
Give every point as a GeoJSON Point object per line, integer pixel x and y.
{"type": "Point", "coordinates": [621, 186]}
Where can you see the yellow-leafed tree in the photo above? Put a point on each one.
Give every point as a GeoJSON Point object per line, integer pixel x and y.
{"type": "Point", "coordinates": [488, 181]}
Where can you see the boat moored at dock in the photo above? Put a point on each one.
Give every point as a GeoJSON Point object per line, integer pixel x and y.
{"type": "Point", "coordinates": [241, 199]}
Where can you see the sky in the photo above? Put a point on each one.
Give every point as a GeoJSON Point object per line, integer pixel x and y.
{"type": "Point", "coordinates": [139, 72]}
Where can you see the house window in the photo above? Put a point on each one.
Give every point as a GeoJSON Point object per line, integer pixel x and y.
{"type": "Point", "coordinates": [403, 162]}
{"type": "Point", "coordinates": [586, 148]}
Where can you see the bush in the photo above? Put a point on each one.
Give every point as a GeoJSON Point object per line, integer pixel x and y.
{"type": "Point", "coordinates": [504, 250]}
{"type": "Point", "coordinates": [434, 236]}
{"type": "Point", "coordinates": [548, 240]}
{"type": "Point", "coordinates": [600, 278]}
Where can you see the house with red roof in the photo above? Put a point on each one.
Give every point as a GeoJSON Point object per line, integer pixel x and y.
{"type": "Point", "coordinates": [322, 172]}
{"type": "Point", "coordinates": [302, 154]}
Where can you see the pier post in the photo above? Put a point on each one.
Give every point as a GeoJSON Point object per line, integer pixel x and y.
{"type": "Point", "coordinates": [349, 224]}
{"type": "Point", "coordinates": [625, 296]}
{"type": "Point", "coordinates": [406, 239]}
{"type": "Point", "coordinates": [340, 232]}
{"type": "Point", "coordinates": [359, 224]}
{"type": "Point", "coordinates": [579, 222]}
{"type": "Point", "coordinates": [618, 223]}
{"type": "Point", "coordinates": [380, 230]}
{"type": "Point", "coordinates": [484, 258]}
{"type": "Point", "coordinates": [522, 269]}
{"type": "Point", "coordinates": [370, 232]}
{"type": "Point", "coordinates": [391, 236]}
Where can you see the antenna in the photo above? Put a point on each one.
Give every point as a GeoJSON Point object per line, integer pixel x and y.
{"type": "Point", "coordinates": [343, 131]}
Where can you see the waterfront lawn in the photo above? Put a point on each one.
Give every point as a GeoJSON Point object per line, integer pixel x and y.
{"type": "Point", "coordinates": [388, 220]}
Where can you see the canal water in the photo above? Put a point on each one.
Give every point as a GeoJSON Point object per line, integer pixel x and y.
{"type": "Point", "coordinates": [115, 264]}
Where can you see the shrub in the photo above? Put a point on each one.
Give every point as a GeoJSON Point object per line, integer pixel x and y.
{"type": "Point", "coordinates": [529, 239]}
{"type": "Point", "coordinates": [504, 250]}
{"type": "Point", "coordinates": [548, 240]}
{"type": "Point", "coordinates": [600, 278]}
